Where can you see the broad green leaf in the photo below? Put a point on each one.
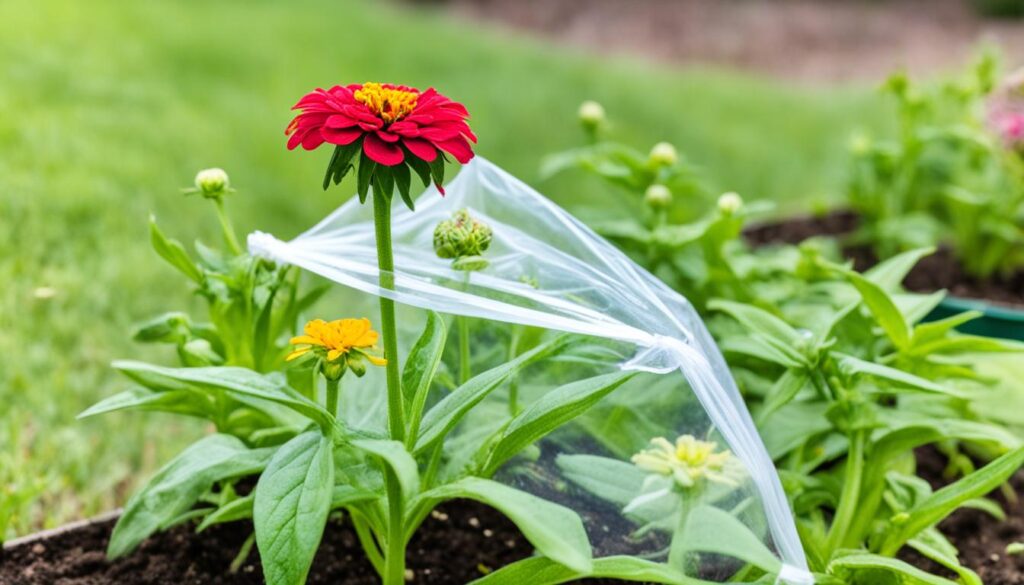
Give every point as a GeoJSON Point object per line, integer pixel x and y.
{"type": "Point", "coordinates": [883, 308]}
{"type": "Point", "coordinates": [549, 412]}
{"type": "Point", "coordinates": [946, 500]}
{"type": "Point", "coordinates": [890, 273]}
{"type": "Point", "coordinates": [238, 380]}
{"type": "Point", "coordinates": [395, 456]}
{"type": "Point", "coordinates": [446, 414]}
{"type": "Point", "coordinates": [933, 545]}
{"type": "Point", "coordinates": [870, 569]}
{"type": "Point", "coordinates": [178, 485]}
{"type": "Point", "coordinates": [544, 571]}
{"type": "Point", "coordinates": [935, 330]}
{"type": "Point", "coordinates": [556, 531]}
{"type": "Point", "coordinates": [239, 509]}
{"type": "Point", "coordinates": [783, 392]}
{"type": "Point", "coordinates": [292, 501]}
{"type": "Point", "coordinates": [173, 252]}
{"type": "Point", "coordinates": [711, 530]}
{"type": "Point", "coordinates": [617, 481]}
{"type": "Point", "coordinates": [776, 332]}
{"type": "Point", "coordinates": [184, 402]}
{"type": "Point", "coordinates": [422, 363]}
{"type": "Point", "coordinates": [793, 425]}
{"type": "Point", "coordinates": [348, 495]}
{"type": "Point", "coordinates": [757, 346]}
{"type": "Point", "coordinates": [856, 366]}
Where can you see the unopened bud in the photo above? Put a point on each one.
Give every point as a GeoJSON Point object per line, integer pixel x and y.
{"type": "Point", "coordinates": [591, 115]}
{"type": "Point", "coordinates": [663, 154]}
{"type": "Point", "coordinates": [729, 203]}
{"type": "Point", "coordinates": [212, 183]}
{"type": "Point", "coordinates": [658, 197]}
{"type": "Point", "coordinates": [461, 238]}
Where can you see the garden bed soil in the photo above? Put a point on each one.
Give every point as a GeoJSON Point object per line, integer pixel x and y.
{"type": "Point", "coordinates": [980, 538]}
{"type": "Point", "coordinates": [460, 542]}
{"type": "Point", "coordinates": [934, 272]}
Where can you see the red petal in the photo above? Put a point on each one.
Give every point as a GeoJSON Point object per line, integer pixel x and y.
{"type": "Point", "coordinates": [339, 121]}
{"type": "Point", "coordinates": [421, 148]}
{"type": "Point", "coordinates": [387, 136]}
{"type": "Point", "coordinates": [458, 147]}
{"type": "Point", "coordinates": [382, 152]}
{"type": "Point", "coordinates": [312, 140]}
{"type": "Point", "coordinates": [341, 136]}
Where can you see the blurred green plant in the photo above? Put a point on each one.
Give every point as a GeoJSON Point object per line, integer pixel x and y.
{"type": "Point", "coordinates": [947, 177]}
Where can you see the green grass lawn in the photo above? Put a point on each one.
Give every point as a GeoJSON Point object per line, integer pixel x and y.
{"type": "Point", "coordinates": [109, 107]}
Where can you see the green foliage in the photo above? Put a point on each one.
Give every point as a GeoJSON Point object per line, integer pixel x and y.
{"type": "Point", "coordinates": [843, 378]}
{"type": "Point", "coordinates": [946, 177]}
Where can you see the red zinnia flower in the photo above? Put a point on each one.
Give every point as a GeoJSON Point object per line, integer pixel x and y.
{"type": "Point", "coordinates": [393, 120]}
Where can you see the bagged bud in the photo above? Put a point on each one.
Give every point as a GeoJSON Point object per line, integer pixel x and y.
{"type": "Point", "coordinates": [591, 115]}
{"type": "Point", "coordinates": [658, 197]}
{"type": "Point", "coordinates": [212, 183]}
{"type": "Point", "coordinates": [462, 237]}
{"type": "Point", "coordinates": [729, 203]}
{"type": "Point", "coordinates": [663, 154]}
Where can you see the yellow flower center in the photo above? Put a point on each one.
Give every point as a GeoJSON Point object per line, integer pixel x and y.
{"type": "Point", "coordinates": [388, 103]}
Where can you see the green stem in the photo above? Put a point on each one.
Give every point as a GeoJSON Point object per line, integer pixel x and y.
{"type": "Point", "coordinates": [386, 264]}
{"type": "Point", "coordinates": [394, 570]}
{"type": "Point", "coordinates": [332, 396]}
{"type": "Point", "coordinates": [464, 366]}
{"type": "Point", "coordinates": [850, 496]}
{"type": "Point", "coordinates": [513, 383]}
{"type": "Point", "coordinates": [677, 549]}
{"type": "Point", "coordinates": [227, 228]}
{"type": "Point", "coordinates": [368, 543]}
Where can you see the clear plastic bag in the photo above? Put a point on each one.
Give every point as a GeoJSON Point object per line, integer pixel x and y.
{"type": "Point", "coordinates": [624, 464]}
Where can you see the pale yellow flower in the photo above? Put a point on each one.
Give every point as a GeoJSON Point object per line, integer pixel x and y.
{"type": "Point", "coordinates": [688, 461]}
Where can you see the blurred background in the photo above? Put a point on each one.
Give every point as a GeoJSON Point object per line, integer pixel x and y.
{"type": "Point", "coordinates": [108, 108]}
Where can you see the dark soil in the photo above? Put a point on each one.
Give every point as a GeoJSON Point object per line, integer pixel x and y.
{"type": "Point", "coordinates": [459, 542]}
{"type": "Point", "coordinates": [808, 40]}
{"type": "Point", "coordinates": [937, 271]}
{"type": "Point", "coordinates": [981, 539]}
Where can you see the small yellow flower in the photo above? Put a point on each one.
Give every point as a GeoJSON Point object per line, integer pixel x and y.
{"type": "Point", "coordinates": [343, 342]}
{"type": "Point", "coordinates": [688, 461]}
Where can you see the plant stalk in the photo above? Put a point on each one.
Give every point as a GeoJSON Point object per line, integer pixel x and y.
{"type": "Point", "coordinates": [394, 568]}
{"type": "Point", "coordinates": [332, 396]}
{"type": "Point", "coordinates": [850, 496]}
{"type": "Point", "coordinates": [225, 226]}
{"type": "Point", "coordinates": [464, 357]}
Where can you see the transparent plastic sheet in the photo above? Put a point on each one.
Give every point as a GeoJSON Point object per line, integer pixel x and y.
{"type": "Point", "coordinates": [547, 270]}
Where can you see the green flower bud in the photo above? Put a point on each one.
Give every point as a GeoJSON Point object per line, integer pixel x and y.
{"type": "Point", "coordinates": [462, 238]}
{"type": "Point", "coordinates": [334, 370]}
{"type": "Point", "coordinates": [591, 115]}
{"type": "Point", "coordinates": [212, 183]}
{"type": "Point", "coordinates": [658, 197]}
{"type": "Point", "coordinates": [663, 154]}
{"type": "Point", "coordinates": [729, 203]}
{"type": "Point", "coordinates": [198, 353]}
